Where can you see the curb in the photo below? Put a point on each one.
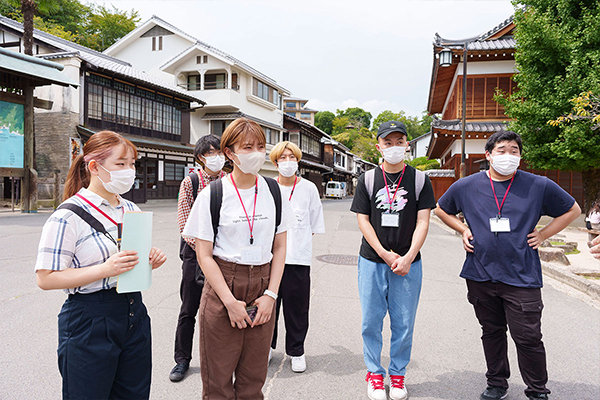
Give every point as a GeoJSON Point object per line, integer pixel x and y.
{"type": "Point", "coordinates": [571, 279]}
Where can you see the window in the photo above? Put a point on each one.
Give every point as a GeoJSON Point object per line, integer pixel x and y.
{"type": "Point", "coordinates": [109, 104]}
{"type": "Point", "coordinates": [295, 138]}
{"type": "Point", "coordinates": [136, 111]}
{"type": "Point", "coordinates": [305, 115]}
{"type": "Point", "coordinates": [95, 101]}
{"type": "Point", "coordinates": [271, 135]}
{"type": "Point", "coordinates": [266, 92]}
{"type": "Point", "coordinates": [123, 108]}
{"type": "Point", "coordinates": [217, 127]}
{"type": "Point", "coordinates": [160, 40]}
{"type": "Point", "coordinates": [202, 59]}
{"type": "Point", "coordinates": [174, 171]}
{"type": "Point", "coordinates": [214, 81]}
{"type": "Point", "coordinates": [339, 159]}
{"type": "Point", "coordinates": [130, 106]}
{"type": "Point", "coordinates": [291, 114]}
{"type": "Point", "coordinates": [310, 146]}
{"type": "Point", "coordinates": [153, 43]}
{"type": "Point", "coordinates": [290, 104]}
{"type": "Point", "coordinates": [193, 82]}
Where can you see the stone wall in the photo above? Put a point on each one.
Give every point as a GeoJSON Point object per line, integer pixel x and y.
{"type": "Point", "coordinates": [52, 148]}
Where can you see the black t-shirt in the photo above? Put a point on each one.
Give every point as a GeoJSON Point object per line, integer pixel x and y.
{"type": "Point", "coordinates": [405, 205]}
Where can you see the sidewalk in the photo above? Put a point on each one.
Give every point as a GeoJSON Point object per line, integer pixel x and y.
{"type": "Point", "coordinates": [584, 272]}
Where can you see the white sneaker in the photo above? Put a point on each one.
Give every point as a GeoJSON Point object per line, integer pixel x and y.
{"type": "Point", "coordinates": [397, 389]}
{"type": "Point", "coordinates": [375, 387]}
{"type": "Point", "coordinates": [270, 355]}
{"type": "Point", "coordinates": [299, 363]}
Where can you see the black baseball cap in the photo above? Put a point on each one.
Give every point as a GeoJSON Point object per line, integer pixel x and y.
{"type": "Point", "coordinates": [391, 126]}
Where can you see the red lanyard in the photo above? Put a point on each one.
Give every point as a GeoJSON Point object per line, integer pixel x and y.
{"type": "Point", "coordinates": [391, 200]}
{"type": "Point", "coordinates": [119, 225]}
{"type": "Point", "coordinates": [201, 173]}
{"type": "Point", "coordinates": [250, 225]}
{"type": "Point", "coordinates": [499, 205]}
{"type": "Point", "coordinates": [293, 187]}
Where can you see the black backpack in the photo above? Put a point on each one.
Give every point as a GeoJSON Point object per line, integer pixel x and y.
{"type": "Point", "coordinates": [87, 217]}
{"type": "Point", "coordinates": [216, 199]}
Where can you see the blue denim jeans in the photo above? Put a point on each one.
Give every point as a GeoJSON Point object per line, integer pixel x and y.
{"type": "Point", "coordinates": [381, 291]}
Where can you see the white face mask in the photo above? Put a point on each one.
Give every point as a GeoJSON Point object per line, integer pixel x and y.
{"type": "Point", "coordinates": [394, 154]}
{"type": "Point", "coordinates": [287, 168]}
{"type": "Point", "coordinates": [215, 163]}
{"type": "Point", "coordinates": [251, 163]}
{"type": "Point", "coordinates": [505, 164]}
{"type": "Point", "coordinates": [120, 180]}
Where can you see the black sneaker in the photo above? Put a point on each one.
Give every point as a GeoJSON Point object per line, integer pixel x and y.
{"type": "Point", "coordinates": [178, 372]}
{"type": "Point", "coordinates": [537, 396]}
{"type": "Point", "coordinates": [494, 393]}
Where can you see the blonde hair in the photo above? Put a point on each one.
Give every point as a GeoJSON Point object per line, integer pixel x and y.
{"type": "Point", "coordinates": [280, 147]}
{"type": "Point", "coordinates": [240, 128]}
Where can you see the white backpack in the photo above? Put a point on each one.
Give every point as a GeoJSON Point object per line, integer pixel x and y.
{"type": "Point", "coordinates": [370, 181]}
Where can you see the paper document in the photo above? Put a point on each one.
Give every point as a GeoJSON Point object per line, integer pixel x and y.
{"type": "Point", "coordinates": [137, 235]}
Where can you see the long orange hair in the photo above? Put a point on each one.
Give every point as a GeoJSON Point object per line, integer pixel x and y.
{"type": "Point", "coordinates": [98, 147]}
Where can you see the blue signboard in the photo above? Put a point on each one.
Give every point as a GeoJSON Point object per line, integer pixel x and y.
{"type": "Point", "coordinates": [11, 135]}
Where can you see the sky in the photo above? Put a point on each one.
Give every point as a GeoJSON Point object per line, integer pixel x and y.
{"type": "Point", "coordinates": [372, 54]}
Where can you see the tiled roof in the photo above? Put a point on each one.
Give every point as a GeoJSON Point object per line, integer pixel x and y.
{"type": "Point", "coordinates": [447, 173]}
{"type": "Point", "coordinates": [481, 42]}
{"type": "Point", "coordinates": [305, 124]}
{"type": "Point", "coordinates": [239, 114]}
{"type": "Point", "coordinates": [497, 28]}
{"type": "Point", "coordinates": [455, 125]}
{"type": "Point", "coordinates": [97, 59]}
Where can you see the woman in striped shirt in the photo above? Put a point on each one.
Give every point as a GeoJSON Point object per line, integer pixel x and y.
{"type": "Point", "coordinates": [104, 346]}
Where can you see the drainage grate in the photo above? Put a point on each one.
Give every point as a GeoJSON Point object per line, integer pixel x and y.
{"type": "Point", "coordinates": [339, 259]}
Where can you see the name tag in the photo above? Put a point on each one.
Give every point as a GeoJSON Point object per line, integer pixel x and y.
{"type": "Point", "coordinates": [251, 254]}
{"type": "Point", "coordinates": [499, 224]}
{"type": "Point", "coordinates": [390, 220]}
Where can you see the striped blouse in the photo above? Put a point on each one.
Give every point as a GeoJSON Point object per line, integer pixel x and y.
{"type": "Point", "coordinates": [69, 242]}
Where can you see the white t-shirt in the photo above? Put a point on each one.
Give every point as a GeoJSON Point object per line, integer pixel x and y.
{"type": "Point", "coordinates": [308, 213]}
{"type": "Point", "coordinates": [233, 234]}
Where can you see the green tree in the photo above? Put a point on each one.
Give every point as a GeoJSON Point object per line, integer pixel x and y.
{"type": "Point", "coordinates": [340, 125]}
{"type": "Point", "coordinates": [106, 26]}
{"type": "Point", "coordinates": [364, 147]}
{"type": "Point", "coordinates": [357, 115]}
{"type": "Point", "coordinates": [324, 121]}
{"type": "Point", "coordinates": [557, 56]}
{"type": "Point", "coordinates": [423, 163]}
{"type": "Point", "coordinates": [94, 27]}
{"type": "Point", "coordinates": [415, 126]}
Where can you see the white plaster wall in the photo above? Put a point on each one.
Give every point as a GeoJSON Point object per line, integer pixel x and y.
{"type": "Point", "coordinates": [65, 99]}
{"type": "Point", "coordinates": [419, 147]}
{"type": "Point", "coordinates": [140, 55]}
{"type": "Point", "coordinates": [487, 67]}
{"type": "Point", "coordinates": [472, 146]}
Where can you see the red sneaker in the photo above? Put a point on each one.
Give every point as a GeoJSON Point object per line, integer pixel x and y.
{"type": "Point", "coordinates": [375, 387]}
{"type": "Point", "coordinates": [397, 389]}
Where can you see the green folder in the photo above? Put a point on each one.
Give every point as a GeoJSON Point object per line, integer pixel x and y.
{"type": "Point", "coordinates": [137, 235]}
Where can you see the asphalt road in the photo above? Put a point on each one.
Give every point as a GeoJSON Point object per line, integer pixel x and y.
{"type": "Point", "coordinates": [447, 356]}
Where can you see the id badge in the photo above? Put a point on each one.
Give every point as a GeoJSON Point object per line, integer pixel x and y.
{"type": "Point", "coordinates": [251, 255]}
{"type": "Point", "coordinates": [499, 224]}
{"type": "Point", "coordinates": [389, 220]}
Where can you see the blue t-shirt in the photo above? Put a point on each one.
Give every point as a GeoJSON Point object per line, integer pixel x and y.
{"type": "Point", "coordinates": [506, 256]}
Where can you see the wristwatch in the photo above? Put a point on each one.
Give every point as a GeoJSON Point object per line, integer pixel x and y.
{"type": "Point", "coordinates": [271, 294]}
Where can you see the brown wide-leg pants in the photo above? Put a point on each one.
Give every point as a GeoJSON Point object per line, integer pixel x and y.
{"type": "Point", "coordinates": [225, 350]}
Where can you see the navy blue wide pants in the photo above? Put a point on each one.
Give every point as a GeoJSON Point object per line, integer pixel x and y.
{"type": "Point", "coordinates": [104, 346]}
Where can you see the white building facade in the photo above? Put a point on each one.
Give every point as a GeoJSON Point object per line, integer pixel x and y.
{"type": "Point", "coordinates": [230, 88]}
